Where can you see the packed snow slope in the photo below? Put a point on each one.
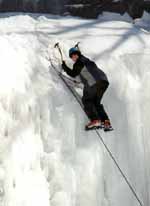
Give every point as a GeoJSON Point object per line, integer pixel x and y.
{"type": "Point", "coordinates": [46, 157]}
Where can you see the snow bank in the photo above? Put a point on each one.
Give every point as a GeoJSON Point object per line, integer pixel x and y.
{"type": "Point", "coordinates": [110, 16]}
{"type": "Point", "coordinates": [144, 22]}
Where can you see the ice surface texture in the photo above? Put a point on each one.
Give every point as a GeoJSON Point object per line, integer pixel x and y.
{"type": "Point", "coordinates": [46, 157]}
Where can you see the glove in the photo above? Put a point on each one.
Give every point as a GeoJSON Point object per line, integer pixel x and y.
{"type": "Point", "coordinates": [63, 62]}
{"type": "Point", "coordinates": [64, 65]}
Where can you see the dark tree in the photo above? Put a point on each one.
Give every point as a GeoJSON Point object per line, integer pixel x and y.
{"type": "Point", "coordinates": [83, 8]}
{"type": "Point", "coordinates": [41, 6]}
{"type": "Point", "coordinates": [29, 6]}
{"type": "Point", "coordinates": [135, 8]}
{"type": "Point", "coordinates": [20, 5]}
{"type": "Point", "coordinates": [8, 5]}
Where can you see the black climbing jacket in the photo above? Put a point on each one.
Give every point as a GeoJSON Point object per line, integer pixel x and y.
{"type": "Point", "coordinates": [87, 70]}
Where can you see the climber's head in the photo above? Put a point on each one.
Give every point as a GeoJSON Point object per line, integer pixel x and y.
{"type": "Point", "coordinates": [74, 54]}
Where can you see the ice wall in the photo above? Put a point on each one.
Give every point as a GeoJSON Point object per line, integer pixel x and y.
{"type": "Point", "coordinates": [46, 157]}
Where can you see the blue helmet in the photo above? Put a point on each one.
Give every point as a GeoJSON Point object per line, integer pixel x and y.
{"type": "Point", "coordinates": [74, 50]}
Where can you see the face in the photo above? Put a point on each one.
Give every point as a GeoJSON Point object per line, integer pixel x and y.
{"type": "Point", "coordinates": [75, 57]}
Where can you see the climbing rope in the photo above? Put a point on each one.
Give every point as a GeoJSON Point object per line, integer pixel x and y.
{"type": "Point", "coordinates": [100, 137]}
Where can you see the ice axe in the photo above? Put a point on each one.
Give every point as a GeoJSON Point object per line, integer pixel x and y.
{"type": "Point", "coordinates": [59, 49]}
{"type": "Point", "coordinates": [77, 46]}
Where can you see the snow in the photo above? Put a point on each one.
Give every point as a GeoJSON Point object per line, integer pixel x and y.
{"type": "Point", "coordinates": [144, 22]}
{"type": "Point", "coordinates": [46, 158]}
{"type": "Point", "coordinates": [76, 5]}
{"type": "Point", "coordinates": [110, 16]}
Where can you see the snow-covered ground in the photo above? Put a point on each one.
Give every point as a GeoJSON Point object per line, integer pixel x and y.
{"type": "Point", "coordinates": [46, 157]}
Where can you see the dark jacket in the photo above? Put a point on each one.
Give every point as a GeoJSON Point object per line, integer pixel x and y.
{"type": "Point", "coordinates": [88, 71]}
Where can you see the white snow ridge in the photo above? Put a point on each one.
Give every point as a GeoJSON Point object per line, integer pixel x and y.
{"type": "Point", "coordinates": [46, 157]}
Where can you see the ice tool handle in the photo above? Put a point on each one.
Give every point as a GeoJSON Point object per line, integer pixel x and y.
{"type": "Point", "coordinates": [59, 49]}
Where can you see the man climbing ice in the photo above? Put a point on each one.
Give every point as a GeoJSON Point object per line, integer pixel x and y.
{"type": "Point", "coordinates": [95, 85]}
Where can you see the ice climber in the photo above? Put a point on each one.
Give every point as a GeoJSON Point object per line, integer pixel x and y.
{"type": "Point", "coordinates": [95, 85]}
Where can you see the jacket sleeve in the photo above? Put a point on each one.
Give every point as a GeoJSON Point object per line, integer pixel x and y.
{"type": "Point", "coordinates": [77, 67]}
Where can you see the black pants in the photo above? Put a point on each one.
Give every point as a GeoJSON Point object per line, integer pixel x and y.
{"type": "Point", "coordinates": [91, 100]}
